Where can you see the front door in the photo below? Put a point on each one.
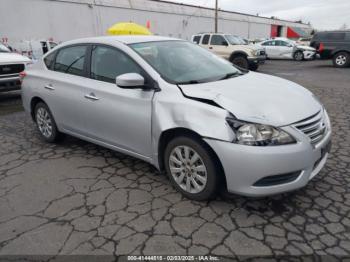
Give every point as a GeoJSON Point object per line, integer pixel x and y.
{"type": "Point", "coordinates": [219, 46]}
{"type": "Point", "coordinates": [113, 115]}
{"type": "Point", "coordinates": [285, 49]}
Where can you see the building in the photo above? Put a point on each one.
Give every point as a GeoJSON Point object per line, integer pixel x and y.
{"type": "Point", "coordinates": [61, 20]}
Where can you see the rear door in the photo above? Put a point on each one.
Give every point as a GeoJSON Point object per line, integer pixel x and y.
{"type": "Point", "coordinates": [63, 87]}
{"type": "Point", "coordinates": [270, 47]}
{"type": "Point", "coordinates": [205, 41]}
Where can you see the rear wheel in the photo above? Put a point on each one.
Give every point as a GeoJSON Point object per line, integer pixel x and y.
{"type": "Point", "coordinates": [191, 168]}
{"type": "Point", "coordinates": [240, 61]}
{"type": "Point", "coordinates": [46, 123]}
{"type": "Point", "coordinates": [298, 56]}
{"type": "Point", "coordinates": [341, 60]}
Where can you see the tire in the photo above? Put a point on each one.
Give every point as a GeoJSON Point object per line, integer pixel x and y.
{"type": "Point", "coordinates": [177, 167]}
{"type": "Point", "coordinates": [298, 56]}
{"type": "Point", "coordinates": [253, 67]}
{"type": "Point", "coordinates": [240, 61]}
{"type": "Point", "coordinates": [341, 59]}
{"type": "Point", "coordinates": [46, 123]}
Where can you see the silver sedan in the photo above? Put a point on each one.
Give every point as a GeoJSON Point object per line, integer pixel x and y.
{"type": "Point", "coordinates": [171, 103]}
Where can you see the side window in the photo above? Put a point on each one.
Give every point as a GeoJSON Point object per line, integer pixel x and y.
{"type": "Point", "coordinates": [269, 43]}
{"type": "Point", "coordinates": [281, 43]}
{"type": "Point", "coordinates": [196, 39]}
{"type": "Point", "coordinates": [107, 63]}
{"type": "Point", "coordinates": [205, 39]}
{"type": "Point", "coordinates": [336, 36]}
{"type": "Point", "coordinates": [347, 37]}
{"type": "Point", "coordinates": [218, 40]}
{"type": "Point", "coordinates": [49, 60]}
{"type": "Point", "coordinates": [71, 60]}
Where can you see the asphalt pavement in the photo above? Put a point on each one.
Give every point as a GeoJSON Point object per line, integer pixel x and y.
{"type": "Point", "coordinates": [78, 198]}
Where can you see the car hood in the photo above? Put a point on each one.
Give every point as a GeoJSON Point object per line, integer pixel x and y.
{"type": "Point", "coordinates": [307, 48]}
{"type": "Point", "coordinates": [246, 48]}
{"type": "Point", "coordinates": [258, 98]}
{"type": "Point", "coordinates": [255, 47]}
{"type": "Point", "coordinates": [10, 58]}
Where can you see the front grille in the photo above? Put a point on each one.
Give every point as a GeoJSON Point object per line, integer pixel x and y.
{"type": "Point", "coordinates": [314, 127]}
{"type": "Point", "coordinates": [277, 179]}
{"type": "Point", "coordinates": [11, 69]}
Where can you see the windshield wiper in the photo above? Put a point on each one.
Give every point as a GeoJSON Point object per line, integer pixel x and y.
{"type": "Point", "coordinates": [190, 82]}
{"type": "Point", "coordinates": [229, 75]}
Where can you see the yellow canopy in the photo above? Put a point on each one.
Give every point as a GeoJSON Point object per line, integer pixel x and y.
{"type": "Point", "coordinates": [128, 29]}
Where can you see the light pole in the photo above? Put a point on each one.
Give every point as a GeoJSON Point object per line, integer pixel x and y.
{"type": "Point", "coordinates": [216, 15]}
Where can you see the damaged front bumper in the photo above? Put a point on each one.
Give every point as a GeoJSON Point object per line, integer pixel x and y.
{"type": "Point", "coordinates": [261, 171]}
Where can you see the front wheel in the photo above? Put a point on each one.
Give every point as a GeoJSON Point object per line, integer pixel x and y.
{"type": "Point", "coordinates": [191, 168]}
{"type": "Point", "coordinates": [253, 67]}
{"type": "Point", "coordinates": [298, 56]}
{"type": "Point", "coordinates": [240, 61]}
{"type": "Point", "coordinates": [341, 60]}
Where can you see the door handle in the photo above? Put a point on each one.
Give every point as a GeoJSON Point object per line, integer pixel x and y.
{"type": "Point", "coordinates": [91, 96]}
{"type": "Point", "coordinates": [210, 47]}
{"type": "Point", "coordinates": [49, 87]}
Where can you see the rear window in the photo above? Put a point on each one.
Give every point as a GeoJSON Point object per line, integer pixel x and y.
{"type": "Point", "coordinates": [205, 39]}
{"type": "Point", "coordinates": [48, 60]}
{"type": "Point", "coordinates": [196, 39]}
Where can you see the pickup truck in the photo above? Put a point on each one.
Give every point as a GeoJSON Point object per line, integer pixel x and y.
{"type": "Point", "coordinates": [232, 48]}
{"type": "Point", "coordinates": [11, 64]}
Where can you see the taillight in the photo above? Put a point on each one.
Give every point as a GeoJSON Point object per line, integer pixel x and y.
{"type": "Point", "coordinates": [321, 47]}
{"type": "Point", "coordinates": [22, 75]}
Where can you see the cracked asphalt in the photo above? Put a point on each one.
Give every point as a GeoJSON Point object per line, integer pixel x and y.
{"type": "Point", "coordinates": [82, 199]}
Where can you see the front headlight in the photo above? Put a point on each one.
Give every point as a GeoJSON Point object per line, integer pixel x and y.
{"type": "Point", "coordinates": [251, 134]}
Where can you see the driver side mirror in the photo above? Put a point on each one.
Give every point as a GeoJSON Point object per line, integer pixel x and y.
{"type": "Point", "coordinates": [224, 43]}
{"type": "Point", "coordinates": [130, 80]}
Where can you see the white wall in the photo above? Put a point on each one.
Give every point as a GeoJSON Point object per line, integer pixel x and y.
{"type": "Point", "coordinates": [68, 19]}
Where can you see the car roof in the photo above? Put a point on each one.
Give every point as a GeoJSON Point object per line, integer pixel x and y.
{"type": "Point", "coordinates": [125, 39]}
{"type": "Point", "coordinates": [210, 33]}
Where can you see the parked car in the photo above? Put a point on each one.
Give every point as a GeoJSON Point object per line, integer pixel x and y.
{"type": "Point", "coordinates": [183, 109]}
{"type": "Point", "coordinates": [232, 48]}
{"type": "Point", "coordinates": [287, 49]}
{"type": "Point", "coordinates": [333, 45]}
{"type": "Point", "coordinates": [11, 64]}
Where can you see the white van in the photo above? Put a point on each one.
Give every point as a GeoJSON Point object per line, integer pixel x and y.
{"type": "Point", "coordinates": [34, 49]}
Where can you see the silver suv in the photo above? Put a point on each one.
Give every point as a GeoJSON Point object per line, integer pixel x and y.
{"type": "Point", "coordinates": [183, 109]}
{"type": "Point", "coordinates": [232, 48]}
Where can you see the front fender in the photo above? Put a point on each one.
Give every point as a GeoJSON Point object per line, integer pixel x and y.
{"type": "Point", "coordinates": [171, 109]}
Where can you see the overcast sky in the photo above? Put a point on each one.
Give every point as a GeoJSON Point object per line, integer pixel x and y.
{"type": "Point", "coordinates": [323, 14]}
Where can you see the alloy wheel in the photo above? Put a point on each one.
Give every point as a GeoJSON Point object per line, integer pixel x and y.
{"type": "Point", "coordinates": [188, 169]}
{"type": "Point", "coordinates": [44, 122]}
{"type": "Point", "coordinates": [340, 60]}
{"type": "Point", "coordinates": [299, 56]}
